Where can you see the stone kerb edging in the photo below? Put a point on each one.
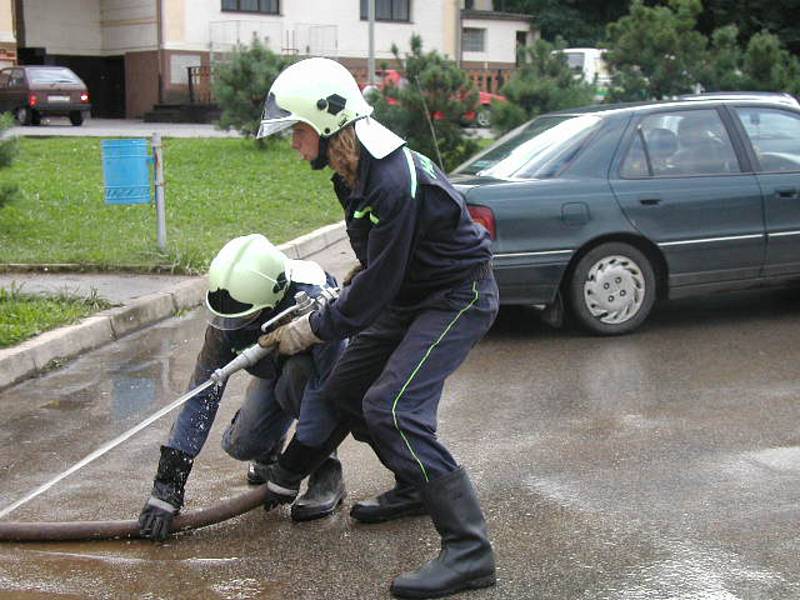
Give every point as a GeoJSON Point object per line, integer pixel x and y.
{"type": "Point", "coordinates": [44, 351]}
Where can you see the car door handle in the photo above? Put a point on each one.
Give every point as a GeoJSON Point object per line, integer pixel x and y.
{"type": "Point", "coordinates": [649, 200]}
{"type": "Point", "coordinates": [786, 193]}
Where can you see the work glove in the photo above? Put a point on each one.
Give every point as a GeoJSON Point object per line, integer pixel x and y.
{"type": "Point", "coordinates": [291, 338]}
{"type": "Point", "coordinates": [166, 499]}
{"type": "Point", "coordinates": [355, 270]}
{"type": "Point", "coordinates": [282, 486]}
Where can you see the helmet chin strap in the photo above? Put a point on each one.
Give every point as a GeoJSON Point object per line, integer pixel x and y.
{"type": "Point", "coordinates": [321, 161]}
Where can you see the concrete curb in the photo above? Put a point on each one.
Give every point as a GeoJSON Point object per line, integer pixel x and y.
{"type": "Point", "coordinates": [49, 350]}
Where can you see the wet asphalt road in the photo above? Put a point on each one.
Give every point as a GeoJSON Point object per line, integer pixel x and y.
{"type": "Point", "coordinates": [660, 465]}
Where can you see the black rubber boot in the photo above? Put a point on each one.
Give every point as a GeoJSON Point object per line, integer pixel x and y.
{"type": "Point", "coordinates": [403, 500]}
{"type": "Point", "coordinates": [258, 470]}
{"type": "Point", "coordinates": [466, 560]}
{"type": "Point", "coordinates": [325, 492]}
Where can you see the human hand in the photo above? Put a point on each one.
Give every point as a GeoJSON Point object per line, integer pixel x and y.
{"type": "Point", "coordinates": [355, 270]}
{"type": "Point", "coordinates": [291, 338]}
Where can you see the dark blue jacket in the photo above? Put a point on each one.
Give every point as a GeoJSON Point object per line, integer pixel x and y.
{"type": "Point", "coordinates": [411, 231]}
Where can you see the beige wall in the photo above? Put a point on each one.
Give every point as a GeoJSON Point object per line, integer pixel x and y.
{"type": "Point", "coordinates": [450, 23]}
{"type": "Point", "coordinates": [322, 27]}
{"type": "Point", "coordinates": [90, 27]}
{"type": "Point", "coordinates": [6, 22]}
{"type": "Point", "coordinates": [128, 26]}
{"type": "Point", "coordinates": [8, 41]}
{"type": "Point", "coordinates": [500, 40]}
{"type": "Point", "coordinates": [174, 21]}
{"type": "Point", "coordinates": [64, 27]}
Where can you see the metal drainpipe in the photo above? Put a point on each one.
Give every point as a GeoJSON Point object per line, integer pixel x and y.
{"type": "Point", "coordinates": [459, 28]}
{"type": "Point", "coordinates": [160, 47]}
{"type": "Point", "coordinates": [371, 57]}
{"type": "Point", "coordinates": [18, 21]}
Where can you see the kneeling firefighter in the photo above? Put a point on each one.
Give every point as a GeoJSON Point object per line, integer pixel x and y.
{"type": "Point", "coordinates": [425, 296]}
{"type": "Point", "coordinates": [249, 282]}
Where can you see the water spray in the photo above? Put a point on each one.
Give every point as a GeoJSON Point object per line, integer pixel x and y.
{"type": "Point", "coordinates": [86, 530]}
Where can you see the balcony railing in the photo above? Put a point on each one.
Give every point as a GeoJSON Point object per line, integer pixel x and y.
{"type": "Point", "coordinates": [200, 89]}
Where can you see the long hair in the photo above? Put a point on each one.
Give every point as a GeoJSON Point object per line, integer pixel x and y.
{"type": "Point", "coordinates": [344, 153]}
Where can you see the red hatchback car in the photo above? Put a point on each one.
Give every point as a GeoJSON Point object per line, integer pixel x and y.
{"type": "Point", "coordinates": [480, 117]}
{"type": "Point", "coordinates": [32, 92]}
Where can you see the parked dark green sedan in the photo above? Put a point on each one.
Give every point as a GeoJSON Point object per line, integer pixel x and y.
{"type": "Point", "coordinates": [608, 208]}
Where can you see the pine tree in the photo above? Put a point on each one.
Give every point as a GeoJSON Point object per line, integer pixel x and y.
{"type": "Point", "coordinates": [427, 108]}
{"type": "Point", "coordinates": [655, 52]}
{"type": "Point", "coordinates": [241, 85]}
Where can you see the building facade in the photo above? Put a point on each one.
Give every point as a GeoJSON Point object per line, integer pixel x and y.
{"type": "Point", "coordinates": [134, 54]}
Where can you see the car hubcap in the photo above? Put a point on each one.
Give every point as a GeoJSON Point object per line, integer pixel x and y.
{"type": "Point", "coordinates": [614, 289]}
{"type": "Point", "coordinates": [22, 114]}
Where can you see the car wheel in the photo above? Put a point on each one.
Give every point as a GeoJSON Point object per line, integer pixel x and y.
{"type": "Point", "coordinates": [23, 115]}
{"type": "Point", "coordinates": [484, 117]}
{"type": "Point", "coordinates": [612, 289]}
{"type": "Point", "coordinates": [76, 118]}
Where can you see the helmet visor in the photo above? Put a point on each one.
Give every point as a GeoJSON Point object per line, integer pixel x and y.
{"type": "Point", "coordinates": [275, 118]}
{"type": "Point", "coordinates": [231, 323]}
{"type": "Point", "coordinates": [222, 303]}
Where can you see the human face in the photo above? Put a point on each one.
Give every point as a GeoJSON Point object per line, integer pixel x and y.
{"type": "Point", "coordinates": [305, 140]}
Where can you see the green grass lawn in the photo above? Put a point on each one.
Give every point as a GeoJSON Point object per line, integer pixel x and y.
{"type": "Point", "coordinates": [216, 189]}
{"type": "Point", "coordinates": [24, 315]}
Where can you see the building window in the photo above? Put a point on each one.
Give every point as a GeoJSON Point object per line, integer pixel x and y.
{"type": "Point", "coordinates": [388, 10]}
{"type": "Point", "coordinates": [267, 7]}
{"type": "Point", "coordinates": [473, 39]}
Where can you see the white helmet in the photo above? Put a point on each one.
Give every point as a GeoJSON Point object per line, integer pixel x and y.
{"type": "Point", "coordinates": [248, 275]}
{"type": "Point", "coordinates": [323, 94]}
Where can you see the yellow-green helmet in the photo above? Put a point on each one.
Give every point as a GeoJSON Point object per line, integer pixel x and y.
{"type": "Point", "coordinates": [247, 276]}
{"type": "Point", "coordinates": [323, 94]}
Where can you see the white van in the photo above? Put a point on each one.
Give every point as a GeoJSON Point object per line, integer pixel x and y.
{"type": "Point", "coordinates": [589, 63]}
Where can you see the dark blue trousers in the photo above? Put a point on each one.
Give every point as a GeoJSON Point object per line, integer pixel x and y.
{"type": "Point", "coordinates": [387, 384]}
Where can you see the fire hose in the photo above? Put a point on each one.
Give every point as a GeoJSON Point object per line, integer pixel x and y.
{"type": "Point", "coordinates": [106, 530]}
{"type": "Point", "coordinates": [99, 530]}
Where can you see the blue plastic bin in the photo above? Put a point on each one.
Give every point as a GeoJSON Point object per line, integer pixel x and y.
{"type": "Point", "coordinates": [126, 171]}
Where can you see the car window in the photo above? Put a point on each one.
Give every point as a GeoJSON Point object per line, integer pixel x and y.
{"type": "Point", "coordinates": [5, 76]}
{"type": "Point", "coordinates": [689, 142]}
{"type": "Point", "coordinates": [54, 75]}
{"type": "Point", "coordinates": [17, 78]}
{"type": "Point", "coordinates": [636, 164]}
{"type": "Point", "coordinates": [774, 135]}
{"type": "Point", "coordinates": [540, 148]}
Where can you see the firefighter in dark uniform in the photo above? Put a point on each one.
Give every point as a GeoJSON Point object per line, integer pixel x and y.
{"type": "Point", "coordinates": [424, 296]}
{"type": "Point", "coordinates": [250, 281]}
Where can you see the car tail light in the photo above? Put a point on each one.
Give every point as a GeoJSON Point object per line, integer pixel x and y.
{"type": "Point", "coordinates": [84, 97]}
{"type": "Point", "coordinates": [484, 217]}
{"type": "Point", "coordinates": [33, 100]}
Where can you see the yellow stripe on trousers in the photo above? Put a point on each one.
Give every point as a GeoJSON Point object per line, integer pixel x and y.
{"type": "Point", "coordinates": [416, 370]}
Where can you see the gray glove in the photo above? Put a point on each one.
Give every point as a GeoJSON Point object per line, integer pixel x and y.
{"type": "Point", "coordinates": [292, 338]}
